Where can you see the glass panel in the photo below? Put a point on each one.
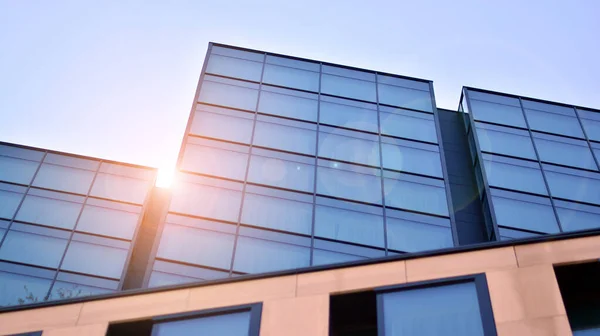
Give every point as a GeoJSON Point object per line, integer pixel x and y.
{"type": "Point", "coordinates": [348, 184]}
{"type": "Point", "coordinates": [195, 246]}
{"type": "Point", "coordinates": [294, 63]}
{"type": "Point", "coordinates": [158, 279]}
{"type": "Point", "coordinates": [347, 72]}
{"type": "Point", "coordinates": [94, 259]}
{"type": "Point", "coordinates": [283, 137]}
{"type": "Point", "coordinates": [557, 150]}
{"type": "Point", "coordinates": [257, 256]}
{"type": "Point", "coordinates": [286, 103]}
{"type": "Point", "coordinates": [515, 177]}
{"type": "Point", "coordinates": [348, 146]}
{"type": "Point", "coordinates": [66, 290]}
{"type": "Point", "coordinates": [553, 123]}
{"type": "Point", "coordinates": [409, 159]}
{"type": "Point", "coordinates": [407, 124]}
{"type": "Point", "coordinates": [235, 324]}
{"type": "Point", "coordinates": [22, 289]}
{"type": "Point", "coordinates": [497, 113]}
{"type": "Point", "coordinates": [323, 257]}
{"type": "Point", "coordinates": [574, 187]}
{"type": "Point", "coordinates": [206, 201]}
{"type": "Point", "coordinates": [32, 249]}
{"type": "Point", "coordinates": [105, 221]}
{"type": "Point", "coordinates": [215, 161]}
{"type": "Point", "coordinates": [405, 97]}
{"type": "Point", "coordinates": [233, 52]}
{"type": "Point", "coordinates": [64, 178]}
{"type": "Point", "coordinates": [21, 153]}
{"type": "Point", "coordinates": [50, 212]}
{"type": "Point", "coordinates": [17, 170]}
{"type": "Point", "coordinates": [440, 310]}
{"type": "Point", "coordinates": [347, 225]}
{"type": "Point", "coordinates": [505, 141]}
{"type": "Point", "coordinates": [575, 217]}
{"type": "Point", "coordinates": [290, 77]}
{"type": "Point", "coordinates": [120, 188]}
{"type": "Point", "coordinates": [592, 127]}
{"type": "Point", "coordinates": [412, 235]}
{"type": "Point", "coordinates": [234, 67]}
{"type": "Point", "coordinates": [415, 196]}
{"type": "Point", "coordinates": [508, 234]}
{"type": "Point", "coordinates": [229, 94]}
{"type": "Point", "coordinates": [281, 173]}
{"type": "Point", "coordinates": [521, 214]}
{"type": "Point", "coordinates": [9, 202]}
{"type": "Point", "coordinates": [235, 127]}
{"type": "Point", "coordinates": [348, 87]}
{"type": "Point", "coordinates": [344, 114]}
{"type": "Point", "coordinates": [277, 213]}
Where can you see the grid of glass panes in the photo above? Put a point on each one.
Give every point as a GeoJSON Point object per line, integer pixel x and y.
{"type": "Point", "coordinates": [66, 223]}
{"type": "Point", "coordinates": [540, 161]}
{"type": "Point", "coordinates": [291, 163]}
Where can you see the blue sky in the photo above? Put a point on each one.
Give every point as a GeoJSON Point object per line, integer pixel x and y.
{"type": "Point", "coordinates": [116, 79]}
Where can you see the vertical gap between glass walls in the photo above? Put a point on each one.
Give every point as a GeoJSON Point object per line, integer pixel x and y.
{"type": "Point", "coordinates": [438, 131]}
{"type": "Point", "coordinates": [486, 185]}
{"type": "Point", "coordinates": [314, 212]}
{"type": "Point", "coordinates": [596, 159]}
{"type": "Point", "coordinates": [537, 155]}
{"type": "Point", "coordinates": [239, 219]}
{"type": "Point", "coordinates": [385, 235]}
{"type": "Point", "coordinates": [47, 297]}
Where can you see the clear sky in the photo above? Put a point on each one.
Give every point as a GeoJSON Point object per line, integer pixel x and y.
{"type": "Point", "coordinates": [116, 79]}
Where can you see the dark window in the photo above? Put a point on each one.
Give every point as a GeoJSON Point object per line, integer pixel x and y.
{"type": "Point", "coordinates": [581, 295]}
{"type": "Point", "coordinates": [242, 320]}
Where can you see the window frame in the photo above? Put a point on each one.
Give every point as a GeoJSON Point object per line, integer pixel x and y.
{"type": "Point", "coordinates": [255, 310]}
{"type": "Point", "coordinates": [481, 286]}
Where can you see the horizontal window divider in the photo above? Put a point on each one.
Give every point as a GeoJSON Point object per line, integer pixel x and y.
{"type": "Point", "coordinates": [347, 98]}
{"type": "Point", "coordinates": [520, 191]}
{"type": "Point", "coordinates": [184, 263]}
{"type": "Point", "coordinates": [56, 190]}
{"type": "Point", "coordinates": [287, 87]}
{"type": "Point", "coordinates": [349, 200]}
{"type": "Point", "coordinates": [413, 140]}
{"type": "Point", "coordinates": [15, 184]}
{"type": "Point", "coordinates": [87, 275]}
{"type": "Point", "coordinates": [286, 118]}
{"type": "Point", "coordinates": [235, 57]}
{"type": "Point", "coordinates": [224, 107]}
{"type": "Point", "coordinates": [28, 265]}
{"type": "Point", "coordinates": [501, 125]}
{"type": "Point", "coordinates": [574, 201]}
{"type": "Point", "coordinates": [408, 108]}
{"type": "Point", "coordinates": [419, 213]}
{"type": "Point", "coordinates": [197, 217]}
{"type": "Point", "coordinates": [347, 243]}
{"type": "Point", "coordinates": [348, 128]}
{"type": "Point", "coordinates": [41, 225]}
{"type": "Point", "coordinates": [283, 151]}
{"type": "Point", "coordinates": [234, 78]}
{"type": "Point", "coordinates": [555, 134]}
{"type": "Point", "coordinates": [569, 167]}
{"type": "Point", "coordinates": [278, 188]}
{"type": "Point", "coordinates": [522, 230]}
{"type": "Point", "coordinates": [216, 139]}
{"type": "Point", "coordinates": [348, 162]}
{"type": "Point", "coordinates": [274, 230]}
{"type": "Point", "coordinates": [414, 174]}
{"type": "Point", "coordinates": [509, 156]}
{"type": "Point", "coordinates": [117, 201]}
{"type": "Point", "coordinates": [101, 236]}
{"type": "Point", "coordinates": [208, 175]}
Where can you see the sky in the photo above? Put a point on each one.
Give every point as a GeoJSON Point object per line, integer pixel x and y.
{"type": "Point", "coordinates": [116, 79]}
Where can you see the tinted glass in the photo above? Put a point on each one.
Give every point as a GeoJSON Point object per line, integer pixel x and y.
{"type": "Point", "coordinates": [65, 290]}
{"type": "Point", "coordinates": [229, 95]}
{"type": "Point", "coordinates": [348, 87]}
{"type": "Point", "coordinates": [574, 187]}
{"type": "Point", "coordinates": [120, 188]}
{"type": "Point", "coordinates": [592, 128]}
{"type": "Point", "coordinates": [64, 178]}
{"type": "Point", "coordinates": [106, 221]}
{"type": "Point", "coordinates": [49, 211]}
{"type": "Point", "coordinates": [344, 114]}
{"type": "Point", "coordinates": [235, 126]}
{"type": "Point", "coordinates": [234, 67]}
{"type": "Point", "coordinates": [347, 225]}
{"type": "Point", "coordinates": [505, 141]}
{"type": "Point", "coordinates": [554, 123]}
{"type": "Point", "coordinates": [281, 173]}
{"type": "Point", "coordinates": [286, 104]}
{"type": "Point", "coordinates": [277, 213]}
{"type": "Point", "coordinates": [284, 137]}
{"type": "Point", "coordinates": [346, 146]}
{"type": "Point", "coordinates": [497, 113]}
{"type": "Point", "coordinates": [402, 157]}
{"type": "Point", "coordinates": [215, 161]}
{"type": "Point", "coordinates": [15, 288]}
{"type": "Point", "coordinates": [165, 279]}
{"type": "Point", "coordinates": [348, 185]}
{"type": "Point", "coordinates": [412, 236]}
{"type": "Point", "coordinates": [578, 217]}
{"type": "Point", "coordinates": [405, 97]}
{"type": "Point", "coordinates": [441, 310]}
{"type": "Point", "coordinates": [206, 201]}
{"type": "Point", "coordinates": [323, 257]}
{"type": "Point", "coordinates": [258, 255]}
{"type": "Point", "coordinates": [515, 177]}
{"type": "Point", "coordinates": [573, 153]}
{"type": "Point", "coordinates": [291, 77]}
{"type": "Point", "coordinates": [94, 259]}
{"type": "Point", "coordinates": [415, 196]}
{"type": "Point", "coordinates": [17, 170]}
{"type": "Point", "coordinates": [236, 324]}
{"type": "Point", "coordinates": [9, 201]}
{"type": "Point", "coordinates": [520, 214]}
{"type": "Point", "coordinates": [29, 248]}
{"type": "Point", "coordinates": [409, 125]}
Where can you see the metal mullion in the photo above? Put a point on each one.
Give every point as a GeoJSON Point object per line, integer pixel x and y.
{"type": "Point", "coordinates": [245, 182]}
{"type": "Point", "coordinates": [587, 139]}
{"type": "Point", "coordinates": [381, 178]}
{"type": "Point", "coordinates": [312, 232]}
{"type": "Point", "coordinates": [46, 298]}
{"type": "Point", "coordinates": [540, 164]}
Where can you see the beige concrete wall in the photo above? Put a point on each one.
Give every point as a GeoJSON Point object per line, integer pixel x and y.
{"type": "Point", "coordinates": [523, 288]}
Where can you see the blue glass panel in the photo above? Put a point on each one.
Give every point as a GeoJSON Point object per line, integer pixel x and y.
{"type": "Point", "coordinates": [49, 211]}
{"type": "Point", "coordinates": [505, 141]}
{"type": "Point", "coordinates": [554, 123]}
{"type": "Point", "coordinates": [195, 246]}
{"type": "Point", "coordinates": [349, 185]}
{"type": "Point", "coordinates": [284, 137]}
{"type": "Point", "coordinates": [237, 53]}
{"type": "Point", "coordinates": [508, 234]}
{"type": "Point", "coordinates": [574, 187]}
{"type": "Point", "coordinates": [17, 170]}
{"type": "Point", "coordinates": [290, 77]}
{"type": "Point", "coordinates": [236, 324]}
{"type": "Point", "coordinates": [346, 115]}
{"type": "Point", "coordinates": [258, 255]}
{"type": "Point", "coordinates": [347, 225]}
{"type": "Point", "coordinates": [578, 217]}
{"type": "Point", "coordinates": [287, 105]}
{"type": "Point", "coordinates": [277, 213]}
{"type": "Point", "coordinates": [216, 161]}
{"type": "Point", "coordinates": [346, 146]}
{"type": "Point", "coordinates": [415, 196]}
{"type": "Point", "coordinates": [206, 201]}
{"type": "Point", "coordinates": [234, 126]}
{"type": "Point", "coordinates": [293, 63]}
{"type": "Point", "coordinates": [410, 159]}
{"type": "Point", "coordinates": [66, 290]}
{"type": "Point", "coordinates": [515, 177]}
{"type": "Point", "coordinates": [520, 214]}
{"type": "Point", "coordinates": [94, 259]}
{"type": "Point", "coordinates": [587, 332]}
{"type": "Point", "coordinates": [32, 249]}
{"type": "Point", "coordinates": [592, 128]}
{"type": "Point", "coordinates": [228, 95]}
{"type": "Point", "coordinates": [405, 97]}
{"type": "Point", "coordinates": [573, 153]}
{"type": "Point", "coordinates": [440, 310]}
{"type": "Point", "coordinates": [120, 188]}
{"type": "Point", "coordinates": [64, 178]}
{"type": "Point", "coordinates": [497, 113]}
{"type": "Point", "coordinates": [412, 236]}
{"type": "Point", "coordinates": [408, 124]}
{"type": "Point", "coordinates": [281, 173]}
{"type": "Point", "coordinates": [323, 257]}
{"type": "Point", "coordinates": [105, 221]}
{"type": "Point", "coordinates": [9, 201]}
{"type": "Point", "coordinates": [234, 67]}
{"type": "Point", "coordinates": [22, 289]}
{"type": "Point", "coordinates": [158, 279]}
{"type": "Point", "coordinates": [348, 87]}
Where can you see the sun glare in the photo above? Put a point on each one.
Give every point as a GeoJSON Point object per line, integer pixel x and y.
{"type": "Point", "coordinates": [165, 177]}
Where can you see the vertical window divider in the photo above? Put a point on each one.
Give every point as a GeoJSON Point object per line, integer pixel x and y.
{"type": "Point", "coordinates": [587, 139]}
{"type": "Point", "coordinates": [251, 145]}
{"type": "Point", "coordinates": [47, 297]}
{"type": "Point", "coordinates": [381, 178]}
{"type": "Point", "coordinates": [314, 209]}
{"type": "Point", "coordinates": [537, 155]}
